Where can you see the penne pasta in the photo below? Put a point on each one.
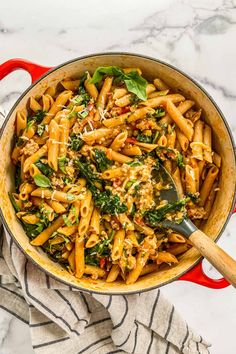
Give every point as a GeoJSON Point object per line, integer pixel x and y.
{"type": "Point", "coordinates": [183, 124]}
{"type": "Point", "coordinates": [85, 221]}
{"type": "Point", "coordinates": [35, 157]}
{"type": "Point", "coordinates": [56, 106]}
{"type": "Point", "coordinates": [207, 184]}
{"type": "Point", "coordinates": [118, 245]}
{"type": "Point", "coordinates": [161, 100]}
{"type": "Point", "coordinates": [53, 145]}
{"type": "Point", "coordinates": [102, 97]}
{"type": "Point", "coordinates": [207, 141]}
{"type": "Point", "coordinates": [88, 191]}
{"type": "Point", "coordinates": [119, 141]}
{"type": "Point", "coordinates": [91, 88]}
{"type": "Point", "coordinates": [79, 256]}
{"type": "Point", "coordinates": [113, 274]}
{"type": "Point", "coordinates": [140, 263]}
{"type": "Point", "coordinates": [198, 138]}
{"type": "Point", "coordinates": [54, 195]}
{"type": "Point", "coordinates": [44, 236]}
{"type": "Point", "coordinates": [70, 85]}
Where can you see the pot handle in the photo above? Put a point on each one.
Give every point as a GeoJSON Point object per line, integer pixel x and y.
{"type": "Point", "coordinates": [197, 275]}
{"type": "Point", "coordinates": [33, 69]}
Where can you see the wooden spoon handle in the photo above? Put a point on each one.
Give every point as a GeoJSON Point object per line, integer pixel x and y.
{"type": "Point", "coordinates": [215, 255]}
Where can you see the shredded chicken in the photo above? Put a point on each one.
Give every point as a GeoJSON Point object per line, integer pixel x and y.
{"type": "Point", "coordinates": [30, 148]}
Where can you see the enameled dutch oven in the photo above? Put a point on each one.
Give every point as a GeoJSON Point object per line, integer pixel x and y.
{"type": "Point", "coordinates": [189, 267]}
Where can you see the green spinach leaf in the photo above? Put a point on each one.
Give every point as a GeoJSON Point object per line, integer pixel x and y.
{"type": "Point", "coordinates": [76, 142]}
{"type": "Point", "coordinates": [153, 217]}
{"type": "Point", "coordinates": [86, 171]}
{"type": "Point", "coordinates": [180, 161]}
{"type": "Point", "coordinates": [13, 202]}
{"type": "Point", "coordinates": [18, 180]}
{"type": "Point", "coordinates": [62, 163]}
{"type": "Point", "coordinates": [44, 168]}
{"type": "Point", "coordinates": [160, 112]}
{"type": "Point", "coordinates": [144, 138]}
{"type": "Point", "coordinates": [36, 118]}
{"type": "Point", "coordinates": [109, 203]}
{"type": "Point", "coordinates": [101, 161]}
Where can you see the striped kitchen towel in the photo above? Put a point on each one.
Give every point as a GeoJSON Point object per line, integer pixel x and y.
{"type": "Point", "coordinates": [64, 320]}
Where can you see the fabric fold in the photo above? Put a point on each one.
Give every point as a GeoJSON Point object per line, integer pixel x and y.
{"type": "Point", "coordinates": [64, 320]}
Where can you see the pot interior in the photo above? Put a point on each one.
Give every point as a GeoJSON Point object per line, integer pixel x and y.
{"type": "Point", "coordinates": [222, 143]}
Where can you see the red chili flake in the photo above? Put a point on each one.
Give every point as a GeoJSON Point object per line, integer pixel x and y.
{"type": "Point", "coordinates": [102, 262]}
{"type": "Point", "coordinates": [131, 140]}
{"type": "Point", "coordinates": [125, 109]}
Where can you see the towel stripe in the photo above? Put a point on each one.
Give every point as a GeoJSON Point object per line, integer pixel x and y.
{"type": "Point", "coordinates": [50, 343]}
{"type": "Point", "coordinates": [14, 314]}
{"type": "Point", "coordinates": [99, 321]}
{"type": "Point", "coordinates": [47, 281]}
{"type": "Point", "coordinates": [70, 306]}
{"type": "Point", "coordinates": [153, 309]}
{"type": "Point", "coordinates": [109, 302]}
{"type": "Point", "coordinates": [41, 304]}
{"type": "Point", "coordinates": [169, 322]}
{"type": "Point", "coordinates": [167, 348]}
{"type": "Point", "coordinates": [135, 337]}
{"type": "Point", "coordinates": [40, 324]}
{"type": "Point", "coordinates": [11, 244]}
{"type": "Point", "coordinates": [126, 340]}
{"type": "Point", "coordinates": [198, 348]}
{"type": "Point", "coordinates": [94, 343]}
{"type": "Point", "coordinates": [125, 314]}
{"type": "Point", "coordinates": [13, 292]}
{"type": "Point", "coordinates": [185, 339]}
{"type": "Point", "coordinates": [150, 345]}
{"type": "Point", "coordinates": [86, 303]}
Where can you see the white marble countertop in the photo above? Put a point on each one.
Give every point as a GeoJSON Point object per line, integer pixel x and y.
{"type": "Point", "coordinates": [197, 36]}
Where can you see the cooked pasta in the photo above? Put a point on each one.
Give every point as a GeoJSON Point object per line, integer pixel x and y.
{"type": "Point", "coordinates": [85, 157]}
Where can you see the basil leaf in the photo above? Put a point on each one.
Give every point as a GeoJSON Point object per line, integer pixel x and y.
{"type": "Point", "coordinates": [105, 70]}
{"type": "Point", "coordinates": [42, 181]}
{"type": "Point", "coordinates": [133, 81]}
{"type": "Point", "coordinates": [136, 84]}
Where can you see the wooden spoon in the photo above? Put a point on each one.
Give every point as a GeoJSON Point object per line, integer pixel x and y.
{"type": "Point", "coordinates": [224, 263]}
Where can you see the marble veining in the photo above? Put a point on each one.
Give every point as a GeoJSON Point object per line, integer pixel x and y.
{"type": "Point", "coordinates": [198, 37]}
